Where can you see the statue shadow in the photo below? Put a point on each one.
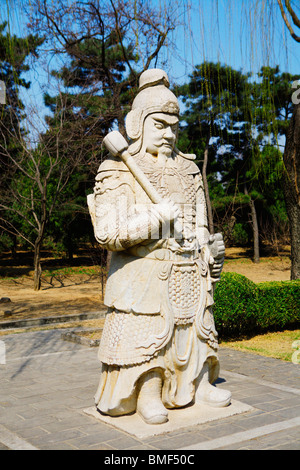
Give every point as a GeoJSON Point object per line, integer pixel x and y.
{"type": "Point", "coordinates": [220, 380]}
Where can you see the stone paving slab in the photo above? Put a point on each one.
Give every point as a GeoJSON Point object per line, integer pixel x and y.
{"type": "Point", "coordinates": [243, 436]}
{"type": "Point", "coordinates": [12, 441]}
{"type": "Point", "coordinates": [47, 383]}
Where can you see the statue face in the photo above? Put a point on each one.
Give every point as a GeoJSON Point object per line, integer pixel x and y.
{"type": "Point", "coordinates": [160, 134]}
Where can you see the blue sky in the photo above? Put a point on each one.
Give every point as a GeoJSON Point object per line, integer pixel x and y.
{"type": "Point", "coordinates": [235, 33]}
{"type": "Point", "coordinates": [230, 31]}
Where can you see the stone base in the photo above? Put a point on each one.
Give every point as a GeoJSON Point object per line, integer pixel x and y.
{"type": "Point", "coordinates": [178, 418]}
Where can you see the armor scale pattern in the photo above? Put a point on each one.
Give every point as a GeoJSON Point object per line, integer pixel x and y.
{"type": "Point", "coordinates": [184, 292]}
{"type": "Point", "coordinates": [124, 333]}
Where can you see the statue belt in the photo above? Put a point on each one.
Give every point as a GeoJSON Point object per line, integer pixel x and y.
{"type": "Point", "coordinates": [187, 258]}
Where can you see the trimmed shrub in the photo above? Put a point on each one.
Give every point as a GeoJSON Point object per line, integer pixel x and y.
{"type": "Point", "coordinates": [279, 305]}
{"type": "Point", "coordinates": [245, 308]}
{"type": "Point", "coordinates": [235, 308]}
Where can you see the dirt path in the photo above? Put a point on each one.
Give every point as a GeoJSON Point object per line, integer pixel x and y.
{"type": "Point", "coordinates": [76, 296]}
{"type": "Point", "coordinates": [273, 268]}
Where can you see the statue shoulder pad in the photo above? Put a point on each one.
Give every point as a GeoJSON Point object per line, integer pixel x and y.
{"type": "Point", "coordinates": [112, 164]}
{"type": "Point", "coordinates": [188, 163]}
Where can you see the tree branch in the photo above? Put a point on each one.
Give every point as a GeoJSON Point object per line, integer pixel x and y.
{"type": "Point", "coordinates": [160, 43]}
{"type": "Point", "coordinates": [13, 230]}
{"type": "Point", "coordinates": [120, 36]}
{"type": "Point", "coordinates": [292, 32]}
{"type": "Point", "coordinates": [295, 18]}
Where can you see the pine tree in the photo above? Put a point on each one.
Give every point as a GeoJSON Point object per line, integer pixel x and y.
{"type": "Point", "coordinates": [14, 52]}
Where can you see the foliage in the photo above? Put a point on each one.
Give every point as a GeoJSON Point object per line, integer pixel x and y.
{"type": "Point", "coordinates": [235, 306]}
{"type": "Point", "coordinates": [14, 52]}
{"type": "Point", "coordinates": [104, 46]}
{"type": "Point", "coordinates": [241, 119]}
{"type": "Point", "coordinates": [274, 105]}
{"type": "Point", "coordinates": [239, 235]}
{"type": "Point", "coordinates": [215, 98]}
{"type": "Point", "coordinates": [6, 242]}
{"type": "Point", "coordinates": [245, 308]}
{"type": "Point", "coordinates": [279, 304]}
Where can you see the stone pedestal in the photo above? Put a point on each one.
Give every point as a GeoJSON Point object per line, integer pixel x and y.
{"type": "Point", "coordinates": [178, 419]}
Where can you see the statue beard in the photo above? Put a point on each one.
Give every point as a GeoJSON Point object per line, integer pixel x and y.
{"type": "Point", "coordinates": [165, 151]}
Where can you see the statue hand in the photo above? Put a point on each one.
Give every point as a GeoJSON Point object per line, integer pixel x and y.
{"type": "Point", "coordinates": [217, 253]}
{"type": "Point", "coordinates": [174, 246]}
{"type": "Point", "coordinates": [167, 210]}
{"type": "Point", "coordinates": [216, 246]}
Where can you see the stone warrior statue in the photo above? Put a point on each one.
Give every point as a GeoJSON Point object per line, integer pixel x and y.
{"type": "Point", "coordinates": [159, 344]}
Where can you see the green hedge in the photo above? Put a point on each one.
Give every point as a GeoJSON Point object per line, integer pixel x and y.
{"type": "Point", "coordinates": [279, 304]}
{"type": "Point", "coordinates": [244, 308]}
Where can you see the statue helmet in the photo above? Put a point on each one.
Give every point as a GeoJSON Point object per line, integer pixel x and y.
{"type": "Point", "coordinates": [154, 96]}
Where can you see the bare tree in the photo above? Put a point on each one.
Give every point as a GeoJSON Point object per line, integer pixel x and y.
{"type": "Point", "coordinates": [104, 45]}
{"type": "Point", "coordinates": [38, 176]}
{"type": "Point", "coordinates": [127, 36]}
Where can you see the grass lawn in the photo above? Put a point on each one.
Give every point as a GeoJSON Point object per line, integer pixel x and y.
{"type": "Point", "coordinates": [280, 345]}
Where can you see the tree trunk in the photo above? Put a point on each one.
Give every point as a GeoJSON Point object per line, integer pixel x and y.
{"type": "Point", "coordinates": [291, 188]}
{"type": "Point", "coordinates": [70, 245]}
{"type": "Point", "coordinates": [255, 229]}
{"type": "Point", "coordinates": [37, 265]}
{"type": "Point", "coordinates": [255, 232]}
{"type": "Point", "coordinates": [108, 260]}
{"type": "Point", "coordinates": [14, 246]}
{"type": "Point", "coordinates": [207, 197]}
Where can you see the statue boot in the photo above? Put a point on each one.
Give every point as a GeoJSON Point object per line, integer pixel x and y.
{"type": "Point", "coordinates": [149, 402]}
{"type": "Point", "coordinates": [208, 394]}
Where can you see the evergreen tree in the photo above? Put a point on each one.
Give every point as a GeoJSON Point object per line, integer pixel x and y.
{"type": "Point", "coordinates": [14, 52]}
{"type": "Point", "coordinates": [217, 127]}
{"type": "Point", "coordinates": [234, 124]}
{"type": "Point", "coordinates": [274, 106]}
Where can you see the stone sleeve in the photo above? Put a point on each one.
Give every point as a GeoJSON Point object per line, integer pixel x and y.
{"type": "Point", "coordinates": [119, 223]}
{"type": "Point", "coordinates": [201, 212]}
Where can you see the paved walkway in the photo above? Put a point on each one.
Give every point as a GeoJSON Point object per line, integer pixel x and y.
{"type": "Point", "coordinates": [46, 384]}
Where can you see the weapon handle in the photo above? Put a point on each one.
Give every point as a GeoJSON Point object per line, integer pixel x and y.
{"type": "Point", "coordinates": [141, 178]}
{"type": "Point", "coordinates": [117, 146]}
